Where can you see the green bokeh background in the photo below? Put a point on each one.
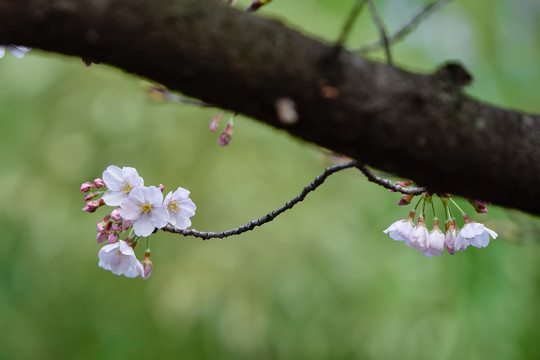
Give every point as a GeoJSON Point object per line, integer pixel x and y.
{"type": "Point", "coordinates": [321, 282]}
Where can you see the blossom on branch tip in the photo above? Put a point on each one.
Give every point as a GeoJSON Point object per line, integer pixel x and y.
{"type": "Point", "coordinates": [435, 241]}
{"type": "Point", "coordinates": [419, 236]}
{"type": "Point", "coordinates": [120, 182]}
{"type": "Point", "coordinates": [401, 229]}
{"type": "Point", "coordinates": [475, 233]}
{"type": "Point", "coordinates": [144, 206]}
{"type": "Point", "coordinates": [15, 50]}
{"type": "Point", "coordinates": [119, 258]}
{"type": "Point", "coordinates": [180, 208]}
{"type": "Point", "coordinates": [450, 238]}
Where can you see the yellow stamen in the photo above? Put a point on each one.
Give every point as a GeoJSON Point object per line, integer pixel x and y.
{"type": "Point", "coordinates": [145, 208]}
{"type": "Point", "coordinates": [174, 207]}
{"type": "Point", "coordinates": [126, 187]}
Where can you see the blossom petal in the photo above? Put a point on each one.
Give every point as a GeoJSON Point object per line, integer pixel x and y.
{"type": "Point", "coordinates": [129, 209]}
{"type": "Point", "coordinates": [112, 177]}
{"type": "Point", "coordinates": [159, 216]}
{"type": "Point", "coordinates": [18, 51]}
{"type": "Point", "coordinates": [143, 226]}
{"type": "Point", "coordinates": [114, 198]}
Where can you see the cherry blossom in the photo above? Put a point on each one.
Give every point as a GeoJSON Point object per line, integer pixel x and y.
{"type": "Point", "coordinates": [144, 206]}
{"type": "Point", "coordinates": [401, 229]}
{"type": "Point", "coordinates": [119, 258]}
{"type": "Point", "coordinates": [435, 241]}
{"type": "Point", "coordinates": [120, 182]}
{"type": "Point", "coordinates": [476, 234]}
{"type": "Point", "coordinates": [180, 208]}
{"type": "Point", "coordinates": [15, 50]}
{"type": "Point", "coordinates": [451, 236]}
{"type": "Point", "coordinates": [418, 236]}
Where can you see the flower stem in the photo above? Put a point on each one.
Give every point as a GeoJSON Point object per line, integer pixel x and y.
{"type": "Point", "coordinates": [456, 205]}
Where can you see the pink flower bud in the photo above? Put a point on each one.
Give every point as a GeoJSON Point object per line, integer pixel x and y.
{"type": "Point", "coordinates": [115, 214]}
{"type": "Point", "coordinates": [405, 199]}
{"type": "Point", "coordinates": [113, 237]}
{"type": "Point", "coordinates": [102, 226]}
{"type": "Point", "coordinates": [92, 206]}
{"type": "Point", "coordinates": [161, 187]}
{"type": "Point", "coordinates": [90, 196]}
{"type": "Point", "coordinates": [85, 187]}
{"type": "Point", "coordinates": [99, 183]}
{"type": "Point", "coordinates": [126, 224]}
{"type": "Point", "coordinates": [147, 265]}
{"type": "Point", "coordinates": [226, 135]}
{"type": "Point", "coordinates": [116, 227]}
{"type": "Point", "coordinates": [214, 123]}
{"type": "Point", "coordinates": [101, 237]}
{"type": "Point", "coordinates": [479, 206]}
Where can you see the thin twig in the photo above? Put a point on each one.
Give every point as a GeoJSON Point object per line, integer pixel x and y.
{"type": "Point", "coordinates": [389, 184]}
{"type": "Point", "coordinates": [382, 31]}
{"type": "Point", "coordinates": [405, 29]}
{"type": "Point", "coordinates": [347, 26]}
{"type": "Point", "coordinates": [270, 216]}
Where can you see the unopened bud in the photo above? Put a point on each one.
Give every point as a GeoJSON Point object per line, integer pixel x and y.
{"type": "Point", "coordinates": [226, 135]}
{"type": "Point", "coordinates": [214, 122]}
{"type": "Point", "coordinates": [405, 199]}
{"type": "Point", "coordinates": [113, 237]}
{"type": "Point", "coordinates": [101, 237]}
{"type": "Point", "coordinates": [99, 183]}
{"type": "Point", "coordinates": [115, 214]}
{"type": "Point", "coordinates": [147, 265]}
{"type": "Point", "coordinates": [85, 187]}
{"type": "Point", "coordinates": [90, 196]}
{"type": "Point", "coordinates": [161, 187]}
{"type": "Point", "coordinates": [92, 206]}
{"type": "Point", "coordinates": [479, 206]}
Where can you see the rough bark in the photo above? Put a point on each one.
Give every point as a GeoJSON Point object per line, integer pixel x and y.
{"type": "Point", "coordinates": [418, 126]}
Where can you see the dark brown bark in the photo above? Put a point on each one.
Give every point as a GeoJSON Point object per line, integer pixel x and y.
{"type": "Point", "coordinates": [418, 126]}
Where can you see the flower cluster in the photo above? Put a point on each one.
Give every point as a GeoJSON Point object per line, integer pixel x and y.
{"type": "Point", "coordinates": [138, 211]}
{"type": "Point", "coordinates": [432, 243]}
{"type": "Point", "coordinates": [15, 50]}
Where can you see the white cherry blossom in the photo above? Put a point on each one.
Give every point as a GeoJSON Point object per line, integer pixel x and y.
{"type": "Point", "coordinates": [401, 229]}
{"type": "Point", "coordinates": [418, 236]}
{"type": "Point", "coordinates": [476, 234]}
{"type": "Point", "coordinates": [119, 258]}
{"type": "Point", "coordinates": [15, 50]}
{"type": "Point", "coordinates": [180, 208]}
{"type": "Point", "coordinates": [144, 206]}
{"type": "Point", "coordinates": [120, 182]}
{"type": "Point", "coordinates": [435, 241]}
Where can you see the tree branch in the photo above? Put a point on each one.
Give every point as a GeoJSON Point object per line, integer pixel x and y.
{"type": "Point", "coordinates": [418, 126]}
{"type": "Point", "coordinates": [319, 180]}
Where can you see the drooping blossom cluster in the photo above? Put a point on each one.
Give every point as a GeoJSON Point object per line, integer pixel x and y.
{"type": "Point", "coordinates": [15, 50]}
{"type": "Point", "coordinates": [432, 243]}
{"type": "Point", "coordinates": [138, 211]}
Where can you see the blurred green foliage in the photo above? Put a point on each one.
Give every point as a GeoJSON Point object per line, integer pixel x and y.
{"type": "Point", "coordinates": [321, 282]}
